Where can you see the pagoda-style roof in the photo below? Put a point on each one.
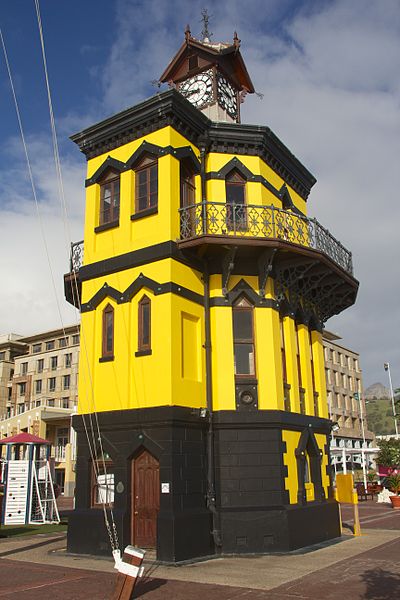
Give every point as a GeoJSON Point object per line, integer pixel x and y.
{"type": "Point", "coordinates": [227, 56]}
{"type": "Point", "coordinates": [24, 438]}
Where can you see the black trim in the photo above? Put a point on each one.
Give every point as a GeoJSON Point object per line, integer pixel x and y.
{"type": "Point", "coordinates": [170, 108]}
{"type": "Point", "coordinates": [104, 359]}
{"type": "Point", "coordinates": [137, 258]}
{"type": "Point", "coordinates": [282, 194]}
{"type": "Point", "coordinates": [140, 282]}
{"type": "Point", "coordinates": [144, 213]}
{"type": "Point", "coordinates": [106, 226]}
{"type": "Point", "coordinates": [145, 149]}
{"type": "Point", "coordinates": [143, 353]}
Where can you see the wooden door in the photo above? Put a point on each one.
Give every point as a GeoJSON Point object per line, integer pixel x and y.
{"type": "Point", "coordinates": [145, 500]}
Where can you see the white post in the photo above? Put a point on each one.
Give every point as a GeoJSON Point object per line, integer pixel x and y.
{"type": "Point", "coordinates": [363, 436]}
{"type": "Point", "coordinates": [344, 460]}
{"type": "Point", "coordinates": [386, 366]}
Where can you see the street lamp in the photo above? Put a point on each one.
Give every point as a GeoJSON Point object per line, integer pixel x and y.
{"type": "Point", "coordinates": [386, 366]}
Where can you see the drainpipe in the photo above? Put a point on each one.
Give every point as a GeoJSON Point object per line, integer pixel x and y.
{"type": "Point", "coordinates": [211, 505]}
{"type": "Point", "coordinates": [203, 189]}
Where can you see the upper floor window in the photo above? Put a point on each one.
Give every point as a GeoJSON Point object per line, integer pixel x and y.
{"type": "Point", "coordinates": [40, 365]}
{"type": "Point", "coordinates": [188, 189]}
{"type": "Point", "coordinates": [68, 360]}
{"type": "Point", "coordinates": [236, 217]}
{"type": "Point", "coordinates": [144, 325]}
{"type": "Point", "coordinates": [2, 356]}
{"type": "Point", "coordinates": [22, 389]}
{"type": "Point", "coordinates": [108, 332]}
{"type": "Point", "coordinates": [75, 338]}
{"type": "Point", "coordinates": [62, 342]}
{"type": "Point", "coordinates": [53, 363]}
{"type": "Point", "coordinates": [243, 339]}
{"type": "Point", "coordinates": [50, 345]}
{"type": "Point", "coordinates": [36, 348]}
{"type": "Point", "coordinates": [146, 185]}
{"type": "Point", "coordinates": [52, 384]}
{"type": "Point", "coordinates": [109, 198]}
{"type": "Point", "coordinates": [24, 368]}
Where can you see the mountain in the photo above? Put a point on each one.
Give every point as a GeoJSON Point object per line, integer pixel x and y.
{"type": "Point", "coordinates": [376, 390]}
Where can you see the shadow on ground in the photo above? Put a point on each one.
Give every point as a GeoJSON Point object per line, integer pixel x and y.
{"type": "Point", "coordinates": [381, 584]}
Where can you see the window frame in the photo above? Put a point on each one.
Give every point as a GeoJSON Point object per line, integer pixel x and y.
{"type": "Point", "coordinates": [109, 179]}
{"type": "Point", "coordinates": [236, 308]}
{"type": "Point", "coordinates": [107, 354]}
{"type": "Point", "coordinates": [144, 349]}
{"type": "Point", "coordinates": [145, 165]}
{"type": "Point", "coordinates": [236, 214]}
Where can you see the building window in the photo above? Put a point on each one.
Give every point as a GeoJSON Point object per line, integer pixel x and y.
{"type": "Point", "coordinates": [50, 345]}
{"type": "Point", "coordinates": [75, 339]}
{"type": "Point", "coordinates": [40, 365]}
{"type": "Point", "coordinates": [67, 360]}
{"type": "Point", "coordinates": [108, 333]}
{"type": "Point", "coordinates": [236, 216]}
{"type": "Point", "coordinates": [188, 189]}
{"type": "Point", "coordinates": [66, 382]}
{"type": "Point", "coordinates": [243, 339]}
{"type": "Point", "coordinates": [103, 482]}
{"type": "Point", "coordinates": [52, 384]}
{"type": "Point", "coordinates": [38, 386]}
{"type": "Point", "coordinates": [109, 198]}
{"type": "Point", "coordinates": [65, 402]}
{"type": "Point", "coordinates": [63, 342]}
{"type": "Point", "coordinates": [144, 325]}
{"type": "Point", "coordinates": [2, 356]}
{"type": "Point", "coordinates": [146, 185]}
{"type": "Point", "coordinates": [20, 409]}
{"type": "Point", "coordinates": [24, 368]}
{"type": "Point", "coordinates": [53, 363]}
{"type": "Point", "coordinates": [51, 402]}
{"type": "Point", "coordinates": [36, 348]}
{"type": "Point", "coordinates": [22, 389]}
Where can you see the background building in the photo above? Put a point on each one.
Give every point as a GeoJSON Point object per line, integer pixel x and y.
{"type": "Point", "coordinates": [346, 403]}
{"type": "Point", "coordinates": [42, 395]}
{"type": "Point", "coordinates": [10, 347]}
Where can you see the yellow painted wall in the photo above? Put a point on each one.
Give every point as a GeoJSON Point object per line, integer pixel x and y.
{"type": "Point", "coordinates": [305, 365]}
{"type": "Point", "coordinates": [223, 379]}
{"type": "Point", "coordinates": [291, 363]}
{"type": "Point", "coordinates": [319, 373]}
{"type": "Point", "coordinates": [268, 359]}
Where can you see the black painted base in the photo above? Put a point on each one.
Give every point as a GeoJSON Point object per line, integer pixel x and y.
{"type": "Point", "coordinates": [254, 514]}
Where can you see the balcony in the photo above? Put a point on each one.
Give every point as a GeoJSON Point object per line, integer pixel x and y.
{"type": "Point", "coordinates": [313, 271]}
{"type": "Point", "coordinates": [250, 223]}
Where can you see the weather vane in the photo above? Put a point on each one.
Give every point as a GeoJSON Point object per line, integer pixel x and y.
{"type": "Point", "coordinates": [205, 33]}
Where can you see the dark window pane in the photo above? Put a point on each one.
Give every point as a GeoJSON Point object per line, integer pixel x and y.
{"type": "Point", "coordinates": [145, 324]}
{"type": "Point", "coordinates": [142, 203]}
{"type": "Point", "coordinates": [244, 359]}
{"type": "Point", "coordinates": [109, 332]}
{"type": "Point", "coordinates": [242, 325]}
{"type": "Point", "coordinates": [234, 194]}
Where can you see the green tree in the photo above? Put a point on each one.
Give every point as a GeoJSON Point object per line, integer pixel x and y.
{"type": "Point", "coordinates": [389, 453]}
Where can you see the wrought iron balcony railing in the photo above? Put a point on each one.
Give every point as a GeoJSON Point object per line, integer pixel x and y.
{"type": "Point", "coordinates": [246, 220]}
{"type": "Point", "coordinates": [76, 257]}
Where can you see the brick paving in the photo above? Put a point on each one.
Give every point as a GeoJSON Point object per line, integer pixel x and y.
{"type": "Point", "coordinates": [370, 575]}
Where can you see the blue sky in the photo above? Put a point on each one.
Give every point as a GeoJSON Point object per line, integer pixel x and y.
{"type": "Point", "coordinates": [330, 75]}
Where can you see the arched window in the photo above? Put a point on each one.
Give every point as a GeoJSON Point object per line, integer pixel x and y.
{"type": "Point", "coordinates": [188, 188]}
{"type": "Point", "coordinates": [236, 214]}
{"type": "Point", "coordinates": [109, 198]}
{"type": "Point", "coordinates": [144, 326]}
{"type": "Point", "coordinates": [108, 333]}
{"type": "Point", "coordinates": [102, 488]}
{"type": "Point", "coordinates": [243, 339]}
{"type": "Point", "coordinates": [146, 185]}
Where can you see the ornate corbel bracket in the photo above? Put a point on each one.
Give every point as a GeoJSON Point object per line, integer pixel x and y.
{"type": "Point", "coordinates": [228, 264]}
{"type": "Point", "coordinates": [265, 263]}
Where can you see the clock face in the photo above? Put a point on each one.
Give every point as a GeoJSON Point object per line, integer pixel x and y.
{"type": "Point", "coordinates": [198, 89]}
{"type": "Point", "coordinates": [227, 96]}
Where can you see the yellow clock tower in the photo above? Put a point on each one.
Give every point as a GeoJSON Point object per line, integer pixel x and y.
{"type": "Point", "coordinates": [203, 291]}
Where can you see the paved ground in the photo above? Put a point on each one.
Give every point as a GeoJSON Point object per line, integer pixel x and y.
{"type": "Point", "coordinates": [362, 568]}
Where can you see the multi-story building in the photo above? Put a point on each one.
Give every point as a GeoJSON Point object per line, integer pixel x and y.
{"type": "Point", "coordinates": [203, 293]}
{"type": "Point", "coordinates": [346, 404]}
{"type": "Point", "coordinates": [10, 347]}
{"type": "Point", "coordinates": [42, 396]}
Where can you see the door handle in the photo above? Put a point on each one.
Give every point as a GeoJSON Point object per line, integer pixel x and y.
{"type": "Point", "coordinates": [136, 512]}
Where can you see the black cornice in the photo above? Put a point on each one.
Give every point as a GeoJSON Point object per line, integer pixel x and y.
{"type": "Point", "coordinates": [167, 108]}
{"type": "Point", "coordinates": [171, 108]}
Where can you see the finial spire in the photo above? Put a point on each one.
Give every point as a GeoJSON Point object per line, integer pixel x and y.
{"type": "Point", "coordinates": [187, 32]}
{"type": "Point", "coordinates": [205, 33]}
{"type": "Point", "coordinates": [236, 41]}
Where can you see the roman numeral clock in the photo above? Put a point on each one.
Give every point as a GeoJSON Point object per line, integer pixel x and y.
{"type": "Point", "coordinates": [211, 76]}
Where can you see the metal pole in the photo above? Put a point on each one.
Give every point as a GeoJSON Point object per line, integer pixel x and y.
{"type": "Point", "coordinates": [363, 436]}
{"type": "Point", "coordinates": [386, 366]}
